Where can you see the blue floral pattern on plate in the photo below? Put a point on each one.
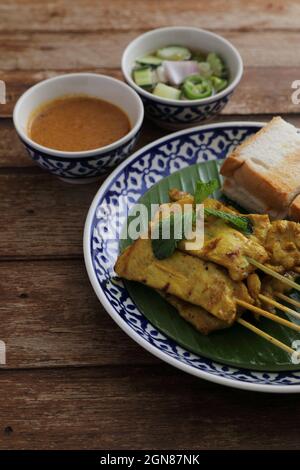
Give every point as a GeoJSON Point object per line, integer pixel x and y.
{"type": "Point", "coordinates": [145, 168]}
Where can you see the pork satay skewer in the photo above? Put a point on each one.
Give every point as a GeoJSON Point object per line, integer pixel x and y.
{"type": "Point", "coordinates": [223, 244]}
{"type": "Point", "coordinates": [206, 323]}
{"type": "Point", "coordinates": [270, 272]}
{"type": "Point", "coordinates": [198, 282]}
{"type": "Point", "coordinates": [201, 283]}
{"type": "Point", "coordinates": [288, 299]}
{"type": "Point", "coordinates": [267, 337]}
{"type": "Point", "coordinates": [268, 315]}
{"type": "Point", "coordinates": [278, 305]}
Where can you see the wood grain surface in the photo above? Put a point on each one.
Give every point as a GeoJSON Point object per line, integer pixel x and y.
{"type": "Point", "coordinates": [133, 407]}
{"type": "Point", "coordinates": [124, 15]}
{"type": "Point", "coordinates": [73, 379]}
{"type": "Point", "coordinates": [263, 90]}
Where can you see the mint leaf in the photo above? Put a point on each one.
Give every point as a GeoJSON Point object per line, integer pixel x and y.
{"type": "Point", "coordinates": [240, 222]}
{"type": "Point", "coordinates": [163, 248]}
{"type": "Point", "coordinates": [203, 190]}
{"type": "Point", "coordinates": [174, 227]}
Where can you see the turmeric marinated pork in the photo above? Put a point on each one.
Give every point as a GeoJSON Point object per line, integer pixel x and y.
{"type": "Point", "coordinates": [204, 284]}
{"type": "Point", "coordinates": [228, 247]}
{"type": "Point", "coordinates": [187, 277]}
{"type": "Point", "coordinates": [196, 316]}
{"type": "Point", "coordinates": [224, 244]}
{"type": "Point", "coordinates": [271, 286]}
{"type": "Point", "coordinates": [283, 245]}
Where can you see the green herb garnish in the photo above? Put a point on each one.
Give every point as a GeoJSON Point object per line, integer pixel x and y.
{"type": "Point", "coordinates": [240, 222]}
{"type": "Point", "coordinates": [203, 190]}
{"type": "Point", "coordinates": [170, 230]}
{"type": "Point", "coordinates": [173, 228]}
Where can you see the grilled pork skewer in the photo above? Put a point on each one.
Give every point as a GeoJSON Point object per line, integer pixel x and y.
{"type": "Point", "coordinates": [189, 278]}
{"type": "Point", "coordinates": [206, 323]}
{"type": "Point", "coordinates": [275, 245]}
{"type": "Point", "coordinates": [223, 244]}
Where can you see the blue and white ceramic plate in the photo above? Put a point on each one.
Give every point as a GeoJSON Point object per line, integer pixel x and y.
{"type": "Point", "coordinates": [132, 179]}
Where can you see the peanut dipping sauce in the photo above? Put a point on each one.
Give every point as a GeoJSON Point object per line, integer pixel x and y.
{"type": "Point", "coordinates": [77, 123]}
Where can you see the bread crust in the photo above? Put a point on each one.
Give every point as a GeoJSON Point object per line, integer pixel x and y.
{"type": "Point", "coordinates": [234, 160]}
{"type": "Point", "coordinates": [294, 209]}
{"type": "Point", "coordinates": [270, 184]}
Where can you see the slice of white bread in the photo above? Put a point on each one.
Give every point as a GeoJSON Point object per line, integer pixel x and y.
{"type": "Point", "coordinates": [263, 173]}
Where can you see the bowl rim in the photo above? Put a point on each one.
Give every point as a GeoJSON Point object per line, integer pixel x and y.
{"type": "Point", "coordinates": [85, 153]}
{"type": "Point", "coordinates": [183, 103]}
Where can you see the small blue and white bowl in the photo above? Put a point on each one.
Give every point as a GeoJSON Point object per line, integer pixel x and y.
{"type": "Point", "coordinates": [175, 114]}
{"type": "Point", "coordinates": [86, 166]}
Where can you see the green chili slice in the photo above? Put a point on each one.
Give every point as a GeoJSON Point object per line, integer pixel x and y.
{"type": "Point", "coordinates": [196, 87]}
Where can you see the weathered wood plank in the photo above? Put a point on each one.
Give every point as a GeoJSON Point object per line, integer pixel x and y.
{"type": "Point", "coordinates": [262, 89]}
{"type": "Point", "coordinates": [92, 15]}
{"type": "Point", "coordinates": [13, 154]}
{"type": "Point", "coordinates": [50, 316]}
{"type": "Point", "coordinates": [64, 51]}
{"type": "Point", "coordinates": [139, 408]}
{"type": "Point", "coordinates": [41, 214]}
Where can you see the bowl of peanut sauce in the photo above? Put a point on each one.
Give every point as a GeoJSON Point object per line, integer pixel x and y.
{"type": "Point", "coordinates": [79, 126]}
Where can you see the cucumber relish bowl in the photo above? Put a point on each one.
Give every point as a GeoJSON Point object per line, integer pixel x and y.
{"type": "Point", "coordinates": [179, 114]}
{"type": "Point", "coordinates": [81, 166]}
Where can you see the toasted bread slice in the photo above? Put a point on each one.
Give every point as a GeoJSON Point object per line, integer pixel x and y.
{"type": "Point", "coordinates": [294, 209]}
{"type": "Point", "coordinates": [263, 173]}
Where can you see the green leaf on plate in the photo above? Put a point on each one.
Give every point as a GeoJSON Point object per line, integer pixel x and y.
{"type": "Point", "coordinates": [203, 190]}
{"type": "Point", "coordinates": [240, 222]}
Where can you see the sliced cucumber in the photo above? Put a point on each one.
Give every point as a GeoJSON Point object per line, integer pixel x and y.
{"type": "Point", "coordinates": [165, 91]}
{"type": "Point", "coordinates": [216, 64]}
{"type": "Point", "coordinates": [149, 60]}
{"type": "Point", "coordinates": [204, 69]}
{"type": "Point", "coordinates": [143, 77]}
{"type": "Point", "coordinates": [174, 53]}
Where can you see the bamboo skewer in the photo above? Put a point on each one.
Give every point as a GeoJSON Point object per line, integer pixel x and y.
{"type": "Point", "coordinates": [285, 309]}
{"type": "Point", "coordinates": [269, 315]}
{"type": "Point", "coordinates": [287, 299]}
{"type": "Point", "coordinates": [272, 273]}
{"type": "Point", "coordinates": [268, 337]}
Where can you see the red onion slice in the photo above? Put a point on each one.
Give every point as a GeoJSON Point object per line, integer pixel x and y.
{"type": "Point", "coordinates": [177, 71]}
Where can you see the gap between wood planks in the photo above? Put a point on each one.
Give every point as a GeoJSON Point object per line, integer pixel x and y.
{"type": "Point", "coordinates": [221, 30]}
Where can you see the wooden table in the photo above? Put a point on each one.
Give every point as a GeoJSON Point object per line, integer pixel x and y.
{"type": "Point", "coordinates": [73, 379]}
